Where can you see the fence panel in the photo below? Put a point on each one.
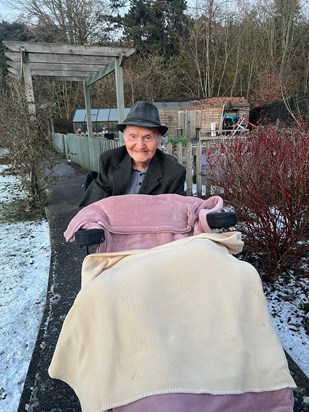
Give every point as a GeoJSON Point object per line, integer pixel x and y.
{"type": "Point", "coordinates": [58, 142]}
{"type": "Point", "coordinates": [94, 152]}
{"type": "Point", "coordinates": [81, 149]}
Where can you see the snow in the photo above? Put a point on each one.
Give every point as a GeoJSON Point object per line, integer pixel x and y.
{"type": "Point", "coordinates": [285, 303]}
{"type": "Point", "coordinates": [9, 185]}
{"type": "Point", "coordinates": [24, 263]}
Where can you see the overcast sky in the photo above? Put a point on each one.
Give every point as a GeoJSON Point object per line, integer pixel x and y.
{"type": "Point", "coordinates": [7, 13]}
{"type": "Point", "coordinates": [10, 13]}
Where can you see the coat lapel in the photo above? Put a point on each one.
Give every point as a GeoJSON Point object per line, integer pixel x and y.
{"type": "Point", "coordinates": [153, 175]}
{"type": "Point", "coordinates": [121, 175]}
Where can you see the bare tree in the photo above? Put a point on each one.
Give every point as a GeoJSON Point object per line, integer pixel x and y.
{"type": "Point", "coordinates": [282, 42]}
{"type": "Point", "coordinates": [147, 78]}
{"type": "Point", "coordinates": [202, 50]}
{"type": "Point", "coordinates": [69, 21]}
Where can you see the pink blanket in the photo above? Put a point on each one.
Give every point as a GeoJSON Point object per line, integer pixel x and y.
{"type": "Point", "coordinates": [144, 221]}
{"type": "Point", "coordinates": [274, 401]}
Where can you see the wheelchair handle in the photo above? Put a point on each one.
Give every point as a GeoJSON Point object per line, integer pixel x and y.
{"type": "Point", "coordinates": [221, 220]}
{"type": "Point", "coordinates": [215, 220]}
{"type": "Point", "coordinates": [89, 237]}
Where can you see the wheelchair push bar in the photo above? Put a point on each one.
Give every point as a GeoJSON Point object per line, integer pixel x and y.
{"type": "Point", "coordinates": [215, 220]}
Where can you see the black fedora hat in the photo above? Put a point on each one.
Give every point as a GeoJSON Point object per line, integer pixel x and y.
{"type": "Point", "coordinates": [143, 114]}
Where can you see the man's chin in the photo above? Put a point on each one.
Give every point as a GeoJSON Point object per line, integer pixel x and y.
{"type": "Point", "coordinates": [141, 159]}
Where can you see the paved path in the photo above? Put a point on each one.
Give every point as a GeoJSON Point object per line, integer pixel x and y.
{"type": "Point", "coordinates": [41, 393]}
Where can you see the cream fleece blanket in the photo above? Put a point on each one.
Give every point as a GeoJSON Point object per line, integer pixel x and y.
{"type": "Point", "coordinates": [184, 317]}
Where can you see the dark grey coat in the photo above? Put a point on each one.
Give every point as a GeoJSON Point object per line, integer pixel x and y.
{"type": "Point", "coordinates": [164, 175]}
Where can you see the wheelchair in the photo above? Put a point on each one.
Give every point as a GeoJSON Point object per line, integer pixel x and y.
{"type": "Point", "coordinates": [167, 318]}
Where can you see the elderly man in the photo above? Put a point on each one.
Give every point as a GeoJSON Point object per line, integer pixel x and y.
{"type": "Point", "coordinates": [139, 166]}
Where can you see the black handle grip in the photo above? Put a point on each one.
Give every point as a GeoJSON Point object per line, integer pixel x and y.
{"type": "Point", "coordinates": [88, 237]}
{"type": "Point", "coordinates": [218, 220]}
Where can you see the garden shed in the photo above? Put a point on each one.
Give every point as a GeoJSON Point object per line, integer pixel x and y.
{"type": "Point", "coordinates": [212, 117]}
{"type": "Point", "coordinates": [169, 110]}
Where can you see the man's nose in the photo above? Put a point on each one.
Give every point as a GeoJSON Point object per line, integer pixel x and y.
{"type": "Point", "coordinates": [140, 142]}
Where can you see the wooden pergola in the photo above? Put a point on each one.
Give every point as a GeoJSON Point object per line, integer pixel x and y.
{"type": "Point", "coordinates": [67, 62]}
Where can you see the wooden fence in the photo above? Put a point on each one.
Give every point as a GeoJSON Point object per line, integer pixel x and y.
{"type": "Point", "coordinates": [85, 152]}
{"type": "Point", "coordinates": [195, 158]}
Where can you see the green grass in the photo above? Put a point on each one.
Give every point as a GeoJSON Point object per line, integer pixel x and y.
{"type": "Point", "coordinates": [18, 211]}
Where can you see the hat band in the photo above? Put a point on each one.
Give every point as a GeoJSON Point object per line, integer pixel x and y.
{"type": "Point", "coordinates": [141, 121]}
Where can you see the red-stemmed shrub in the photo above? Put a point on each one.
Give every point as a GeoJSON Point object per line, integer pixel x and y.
{"type": "Point", "coordinates": [265, 179]}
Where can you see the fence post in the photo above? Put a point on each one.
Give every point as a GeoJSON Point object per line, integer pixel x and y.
{"type": "Point", "coordinates": [189, 165]}
{"type": "Point", "coordinates": [169, 149]}
{"type": "Point", "coordinates": [198, 170]}
{"type": "Point", "coordinates": [179, 153]}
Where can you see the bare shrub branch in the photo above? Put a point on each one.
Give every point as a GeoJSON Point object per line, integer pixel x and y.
{"type": "Point", "coordinates": [265, 179]}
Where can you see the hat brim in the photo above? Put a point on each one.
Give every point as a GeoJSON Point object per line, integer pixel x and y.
{"type": "Point", "coordinates": [162, 129]}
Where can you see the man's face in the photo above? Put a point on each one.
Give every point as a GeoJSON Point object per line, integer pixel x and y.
{"type": "Point", "coordinates": [141, 144]}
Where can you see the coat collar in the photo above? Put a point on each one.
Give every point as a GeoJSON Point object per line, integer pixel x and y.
{"type": "Point", "coordinates": [122, 173]}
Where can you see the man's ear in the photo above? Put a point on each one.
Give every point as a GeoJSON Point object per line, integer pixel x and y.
{"type": "Point", "coordinates": [159, 141]}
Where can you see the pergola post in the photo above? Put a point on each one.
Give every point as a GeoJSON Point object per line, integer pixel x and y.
{"type": "Point", "coordinates": [88, 109]}
{"type": "Point", "coordinates": [25, 66]}
{"type": "Point", "coordinates": [119, 91]}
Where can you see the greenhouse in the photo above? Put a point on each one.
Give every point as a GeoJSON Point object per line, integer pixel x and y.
{"type": "Point", "coordinates": [103, 121]}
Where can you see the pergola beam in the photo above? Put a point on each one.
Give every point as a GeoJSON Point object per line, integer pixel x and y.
{"type": "Point", "coordinates": [67, 62]}
{"type": "Point", "coordinates": [52, 48]}
{"type": "Point", "coordinates": [37, 64]}
{"type": "Point", "coordinates": [15, 72]}
{"type": "Point", "coordinates": [64, 74]}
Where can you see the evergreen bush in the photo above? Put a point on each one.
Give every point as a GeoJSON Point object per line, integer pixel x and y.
{"type": "Point", "coordinates": [175, 140]}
